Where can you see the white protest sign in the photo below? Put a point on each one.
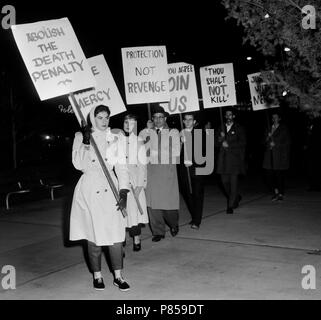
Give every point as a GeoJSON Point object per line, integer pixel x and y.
{"type": "Point", "coordinates": [53, 57]}
{"type": "Point", "coordinates": [258, 102]}
{"type": "Point", "coordinates": [105, 92]}
{"type": "Point", "coordinates": [218, 85]}
{"type": "Point", "coordinates": [145, 74]}
{"type": "Point", "coordinates": [182, 88]}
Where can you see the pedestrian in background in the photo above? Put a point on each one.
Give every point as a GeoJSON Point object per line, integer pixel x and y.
{"type": "Point", "coordinates": [231, 139]}
{"type": "Point", "coordinates": [277, 155]}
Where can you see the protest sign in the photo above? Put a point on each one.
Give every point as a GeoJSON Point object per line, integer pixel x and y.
{"type": "Point", "coordinates": [218, 85]}
{"type": "Point", "coordinates": [105, 92]}
{"type": "Point", "coordinates": [182, 88]}
{"type": "Point", "coordinates": [145, 74]}
{"type": "Point", "coordinates": [256, 87]}
{"type": "Point", "coordinates": [53, 57]}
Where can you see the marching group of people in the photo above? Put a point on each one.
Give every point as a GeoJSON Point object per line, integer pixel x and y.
{"type": "Point", "coordinates": [150, 170]}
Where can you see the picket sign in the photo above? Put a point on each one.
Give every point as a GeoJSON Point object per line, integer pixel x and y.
{"type": "Point", "coordinates": [258, 101]}
{"type": "Point", "coordinates": [105, 92]}
{"type": "Point", "coordinates": [218, 85]}
{"type": "Point", "coordinates": [145, 74]}
{"type": "Point", "coordinates": [53, 57]}
{"type": "Point", "coordinates": [182, 88]}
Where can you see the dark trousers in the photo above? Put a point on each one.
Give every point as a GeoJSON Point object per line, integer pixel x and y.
{"type": "Point", "coordinates": [230, 185]}
{"type": "Point", "coordinates": [194, 200]}
{"type": "Point", "coordinates": [158, 218]}
{"type": "Point", "coordinates": [134, 231]}
{"type": "Point", "coordinates": [275, 179]}
{"type": "Point", "coordinates": [115, 254]}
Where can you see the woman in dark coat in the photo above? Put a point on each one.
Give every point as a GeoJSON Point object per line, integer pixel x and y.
{"type": "Point", "coordinates": [277, 156]}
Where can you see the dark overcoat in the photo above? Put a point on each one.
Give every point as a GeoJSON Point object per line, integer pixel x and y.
{"type": "Point", "coordinates": [278, 157]}
{"type": "Point", "coordinates": [231, 160]}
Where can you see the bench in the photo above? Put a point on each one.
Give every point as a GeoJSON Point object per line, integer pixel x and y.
{"type": "Point", "coordinates": [10, 189]}
{"type": "Point", "coordinates": [50, 185]}
{"type": "Point", "coordinates": [28, 185]}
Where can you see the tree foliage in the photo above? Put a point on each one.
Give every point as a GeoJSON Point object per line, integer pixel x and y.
{"type": "Point", "coordinates": [273, 25]}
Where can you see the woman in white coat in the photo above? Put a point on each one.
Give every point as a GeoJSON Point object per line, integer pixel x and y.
{"type": "Point", "coordinates": [94, 213]}
{"type": "Point", "coordinates": [136, 161]}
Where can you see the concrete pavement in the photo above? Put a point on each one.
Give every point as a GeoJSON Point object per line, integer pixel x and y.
{"type": "Point", "coordinates": [256, 253]}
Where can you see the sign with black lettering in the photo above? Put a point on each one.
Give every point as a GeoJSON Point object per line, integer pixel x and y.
{"type": "Point", "coordinates": [182, 88]}
{"type": "Point", "coordinates": [53, 57]}
{"type": "Point", "coordinates": [218, 85]}
{"type": "Point", "coordinates": [256, 87]}
{"type": "Point", "coordinates": [145, 74]}
{"type": "Point", "coordinates": [105, 92]}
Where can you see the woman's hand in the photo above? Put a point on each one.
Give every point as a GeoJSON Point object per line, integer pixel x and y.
{"type": "Point", "coordinates": [122, 203]}
{"type": "Point", "coordinates": [86, 131]}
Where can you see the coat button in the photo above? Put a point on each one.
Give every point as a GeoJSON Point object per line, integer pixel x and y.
{"type": "Point", "coordinates": [105, 190]}
{"type": "Point", "coordinates": [93, 160]}
{"type": "Point", "coordinates": [97, 191]}
{"type": "Point", "coordinates": [105, 159]}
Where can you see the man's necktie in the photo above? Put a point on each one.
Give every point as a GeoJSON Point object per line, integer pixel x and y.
{"type": "Point", "coordinates": [159, 145]}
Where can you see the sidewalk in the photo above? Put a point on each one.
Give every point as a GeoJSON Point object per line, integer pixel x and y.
{"type": "Point", "coordinates": [256, 253]}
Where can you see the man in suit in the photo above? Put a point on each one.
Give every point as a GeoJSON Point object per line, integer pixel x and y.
{"type": "Point", "coordinates": [191, 184]}
{"type": "Point", "coordinates": [231, 159]}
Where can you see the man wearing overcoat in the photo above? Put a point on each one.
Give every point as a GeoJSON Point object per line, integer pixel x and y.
{"type": "Point", "coordinates": [162, 195]}
{"type": "Point", "coordinates": [231, 139]}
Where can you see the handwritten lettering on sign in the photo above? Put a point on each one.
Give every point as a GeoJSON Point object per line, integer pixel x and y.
{"type": "Point", "coordinates": [256, 88]}
{"type": "Point", "coordinates": [53, 57]}
{"type": "Point", "coordinates": [145, 74]}
{"type": "Point", "coordinates": [105, 92]}
{"type": "Point", "coordinates": [182, 88]}
{"type": "Point", "coordinates": [218, 85]}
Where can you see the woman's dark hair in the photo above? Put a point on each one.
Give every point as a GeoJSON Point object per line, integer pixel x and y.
{"type": "Point", "coordinates": [101, 108]}
{"type": "Point", "coordinates": [130, 116]}
{"type": "Point", "coordinates": [98, 109]}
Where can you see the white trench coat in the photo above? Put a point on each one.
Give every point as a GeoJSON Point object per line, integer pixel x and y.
{"type": "Point", "coordinates": [94, 214]}
{"type": "Point", "coordinates": [135, 151]}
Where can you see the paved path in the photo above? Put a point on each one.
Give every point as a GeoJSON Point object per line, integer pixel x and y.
{"type": "Point", "coordinates": [257, 253]}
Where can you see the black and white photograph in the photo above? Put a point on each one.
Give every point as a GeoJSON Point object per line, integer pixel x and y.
{"type": "Point", "coordinates": [158, 155]}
